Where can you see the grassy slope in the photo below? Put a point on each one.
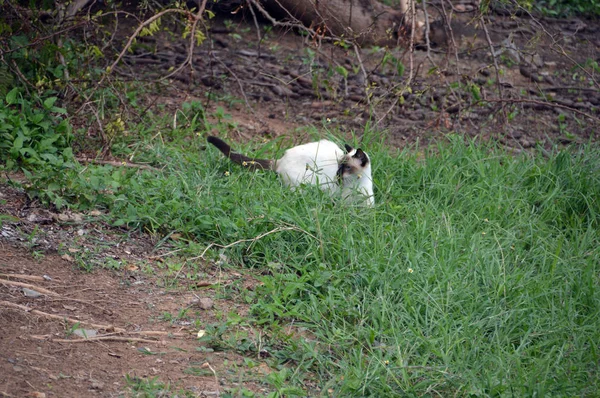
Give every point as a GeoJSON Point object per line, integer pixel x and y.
{"type": "Point", "coordinates": [476, 273]}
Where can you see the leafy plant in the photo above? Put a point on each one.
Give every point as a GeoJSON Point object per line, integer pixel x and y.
{"type": "Point", "coordinates": [31, 134]}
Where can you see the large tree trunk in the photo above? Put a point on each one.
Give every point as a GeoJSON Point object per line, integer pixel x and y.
{"type": "Point", "coordinates": [363, 21]}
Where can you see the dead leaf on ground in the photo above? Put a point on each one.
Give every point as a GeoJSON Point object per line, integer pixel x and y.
{"type": "Point", "coordinates": [68, 258]}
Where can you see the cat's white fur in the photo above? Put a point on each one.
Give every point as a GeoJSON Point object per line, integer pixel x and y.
{"type": "Point", "coordinates": [319, 163]}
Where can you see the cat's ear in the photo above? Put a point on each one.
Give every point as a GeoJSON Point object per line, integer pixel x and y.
{"type": "Point", "coordinates": [348, 148]}
{"type": "Point", "coordinates": [362, 157]}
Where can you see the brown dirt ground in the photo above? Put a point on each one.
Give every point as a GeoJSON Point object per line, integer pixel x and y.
{"type": "Point", "coordinates": [40, 354]}
{"type": "Point", "coordinates": [131, 285]}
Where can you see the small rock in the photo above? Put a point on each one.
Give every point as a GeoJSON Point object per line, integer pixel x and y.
{"type": "Point", "coordinates": [31, 293]}
{"type": "Point", "coordinates": [206, 303]}
{"type": "Point", "coordinates": [248, 53]}
{"type": "Point", "coordinates": [85, 333]}
{"type": "Point", "coordinates": [282, 91]}
{"type": "Point", "coordinates": [526, 71]}
{"type": "Point", "coordinates": [516, 135]}
{"type": "Point", "coordinates": [526, 143]}
{"type": "Point", "coordinates": [97, 385]}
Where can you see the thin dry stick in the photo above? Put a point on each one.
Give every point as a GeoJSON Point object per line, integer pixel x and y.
{"type": "Point", "coordinates": [233, 244]}
{"type": "Point", "coordinates": [278, 229]}
{"type": "Point", "coordinates": [496, 67]}
{"type": "Point", "coordinates": [451, 32]}
{"type": "Point", "coordinates": [159, 333]}
{"type": "Point", "coordinates": [241, 90]}
{"type": "Point", "coordinates": [29, 286]}
{"type": "Point", "coordinates": [135, 34]}
{"type": "Point", "coordinates": [59, 317]}
{"type": "Point", "coordinates": [117, 163]}
{"type": "Point", "coordinates": [34, 278]}
{"type": "Point", "coordinates": [364, 72]}
{"type": "Point", "coordinates": [411, 48]}
{"type": "Point", "coordinates": [148, 333]}
{"type": "Point", "coordinates": [259, 38]}
{"type": "Point", "coordinates": [93, 339]}
{"type": "Point", "coordinates": [275, 22]}
{"type": "Point", "coordinates": [427, 27]}
{"type": "Point", "coordinates": [207, 365]}
{"type": "Point", "coordinates": [188, 60]}
{"type": "Point", "coordinates": [164, 254]}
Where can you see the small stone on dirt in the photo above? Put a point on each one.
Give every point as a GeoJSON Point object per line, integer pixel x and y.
{"type": "Point", "coordinates": [85, 333]}
{"type": "Point", "coordinates": [206, 303]}
{"type": "Point", "coordinates": [282, 91]}
{"type": "Point", "coordinates": [97, 385]}
{"type": "Point", "coordinates": [31, 293]}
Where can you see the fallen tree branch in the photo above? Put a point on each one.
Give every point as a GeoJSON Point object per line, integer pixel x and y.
{"type": "Point", "coordinates": [59, 317]}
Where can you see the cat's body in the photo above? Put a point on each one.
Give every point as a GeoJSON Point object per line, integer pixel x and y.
{"type": "Point", "coordinates": [321, 163]}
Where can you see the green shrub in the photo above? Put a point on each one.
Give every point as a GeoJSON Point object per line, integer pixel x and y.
{"type": "Point", "coordinates": [32, 134]}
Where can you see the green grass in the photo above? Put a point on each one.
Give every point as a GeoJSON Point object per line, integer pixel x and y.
{"type": "Point", "coordinates": [475, 274]}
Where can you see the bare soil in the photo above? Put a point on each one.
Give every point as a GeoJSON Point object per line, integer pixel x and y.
{"type": "Point", "coordinates": [141, 322]}
{"type": "Point", "coordinates": [544, 93]}
{"type": "Point", "coordinates": [116, 279]}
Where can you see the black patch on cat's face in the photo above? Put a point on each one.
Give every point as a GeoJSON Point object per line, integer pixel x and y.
{"type": "Point", "coordinates": [348, 148]}
{"type": "Point", "coordinates": [343, 167]}
{"type": "Point", "coordinates": [362, 157]}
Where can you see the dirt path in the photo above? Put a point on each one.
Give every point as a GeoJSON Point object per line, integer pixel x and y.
{"type": "Point", "coordinates": [141, 323]}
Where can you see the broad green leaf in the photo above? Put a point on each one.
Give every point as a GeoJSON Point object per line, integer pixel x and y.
{"type": "Point", "coordinates": [11, 97]}
{"type": "Point", "coordinates": [49, 102]}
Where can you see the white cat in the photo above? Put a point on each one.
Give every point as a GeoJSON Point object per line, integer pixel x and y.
{"type": "Point", "coordinates": [320, 163]}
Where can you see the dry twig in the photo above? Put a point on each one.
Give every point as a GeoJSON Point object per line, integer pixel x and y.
{"type": "Point", "coordinates": [23, 308]}
{"type": "Point", "coordinates": [94, 339]}
{"type": "Point", "coordinates": [117, 163]}
{"type": "Point", "coordinates": [29, 286]}
{"type": "Point", "coordinates": [25, 277]}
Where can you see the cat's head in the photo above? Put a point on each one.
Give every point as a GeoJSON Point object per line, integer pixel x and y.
{"type": "Point", "coordinates": [355, 164]}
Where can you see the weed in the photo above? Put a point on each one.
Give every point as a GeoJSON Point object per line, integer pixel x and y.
{"type": "Point", "coordinates": [33, 135]}
{"type": "Point", "coordinates": [152, 387]}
